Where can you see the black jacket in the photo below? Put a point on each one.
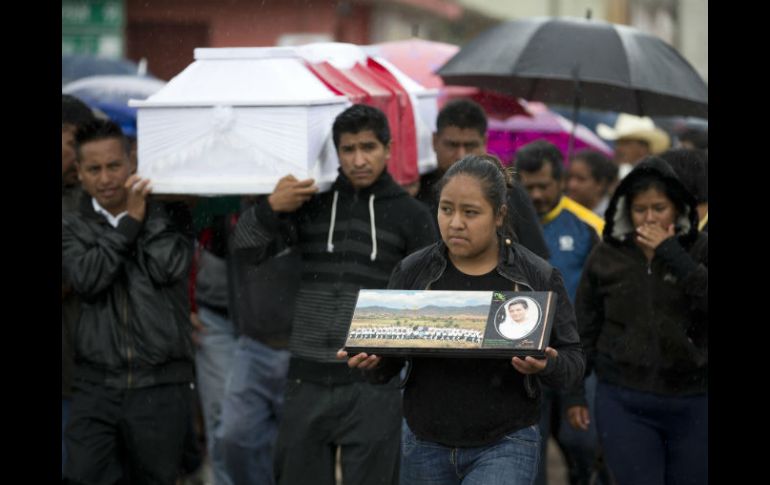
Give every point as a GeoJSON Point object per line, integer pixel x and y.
{"type": "Point", "coordinates": [527, 272]}
{"type": "Point", "coordinates": [644, 325]}
{"type": "Point", "coordinates": [263, 290]}
{"type": "Point", "coordinates": [134, 328]}
{"type": "Point", "coordinates": [70, 304]}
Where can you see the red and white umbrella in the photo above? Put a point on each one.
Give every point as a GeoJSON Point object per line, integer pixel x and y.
{"type": "Point", "coordinates": [420, 59]}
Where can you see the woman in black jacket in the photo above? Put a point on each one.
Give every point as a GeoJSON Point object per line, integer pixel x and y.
{"type": "Point", "coordinates": [475, 420]}
{"type": "Point", "coordinates": [642, 308]}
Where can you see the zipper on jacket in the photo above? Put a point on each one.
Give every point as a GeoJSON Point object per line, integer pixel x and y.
{"type": "Point", "coordinates": [434, 280]}
{"type": "Point", "coordinates": [651, 283]}
{"type": "Point", "coordinates": [128, 345]}
{"type": "Point", "coordinates": [440, 273]}
{"type": "Point", "coordinates": [346, 236]}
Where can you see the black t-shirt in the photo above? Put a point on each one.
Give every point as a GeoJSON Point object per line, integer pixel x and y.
{"type": "Point", "coordinates": [467, 402]}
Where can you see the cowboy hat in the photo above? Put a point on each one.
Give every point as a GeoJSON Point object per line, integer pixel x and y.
{"type": "Point", "coordinates": [632, 127]}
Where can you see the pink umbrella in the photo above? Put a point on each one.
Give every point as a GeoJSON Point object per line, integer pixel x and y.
{"type": "Point", "coordinates": [420, 59]}
{"type": "Point", "coordinates": [506, 136]}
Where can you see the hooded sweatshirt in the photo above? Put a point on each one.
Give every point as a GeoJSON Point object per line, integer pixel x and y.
{"type": "Point", "coordinates": [644, 325]}
{"type": "Point", "coordinates": [348, 240]}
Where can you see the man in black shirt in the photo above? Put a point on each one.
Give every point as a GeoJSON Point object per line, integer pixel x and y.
{"type": "Point", "coordinates": [461, 129]}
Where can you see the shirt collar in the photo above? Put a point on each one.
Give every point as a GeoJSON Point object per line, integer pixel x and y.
{"type": "Point", "coordinates": [113, 220]}
{"type": "Point", "coordinates": [553, 213]}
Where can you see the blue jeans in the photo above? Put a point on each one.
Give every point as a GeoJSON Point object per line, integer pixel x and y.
{"type": "Point", "coordinates": [251, 411]}
{"type": "Point", "coordinates": [651, 438]}
{"type": "Point", "coordinates": [512, 460]}
{"type": "Point", "coordinates": [213, 361]}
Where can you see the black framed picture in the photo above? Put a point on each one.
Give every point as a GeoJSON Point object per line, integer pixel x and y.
{"type": "Point", "coordinates": [451, 323]}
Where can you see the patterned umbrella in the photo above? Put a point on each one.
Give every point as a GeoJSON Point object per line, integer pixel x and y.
{"type": "Point", "coordinates": [419, 59]}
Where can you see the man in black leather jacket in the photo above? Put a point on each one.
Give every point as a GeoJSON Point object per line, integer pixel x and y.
{"type": "Point", "coordinates": [127, 258]}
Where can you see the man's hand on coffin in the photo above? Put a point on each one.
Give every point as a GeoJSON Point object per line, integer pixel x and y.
{"type": "Point", "coordinates": [289, 194]}
{"type": "Point", "coordinates": [136, 201]}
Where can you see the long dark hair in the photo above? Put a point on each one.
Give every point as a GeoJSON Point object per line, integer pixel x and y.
{"type": "Point", "coordinates": [495, 181]}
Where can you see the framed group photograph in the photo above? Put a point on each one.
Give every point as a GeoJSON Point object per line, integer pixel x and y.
{"type": "Point", "coordinates": [451, 323]}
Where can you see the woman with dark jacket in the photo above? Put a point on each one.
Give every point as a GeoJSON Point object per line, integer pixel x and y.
{"type": "Point", "coordinates": [475, 420]}
{"type": "Point", "coordinates": [642, 309]}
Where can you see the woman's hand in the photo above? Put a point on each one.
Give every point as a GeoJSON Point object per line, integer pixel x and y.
{"type": "Point", "coordinates": [360, 361]}
{"type": "Point", "coordinates": [531, 365]}
{"type": "Point", "coordinates": [578, 417]}
{"type": "Point", "coordinates": [651, 235]}
{"type": "Point", "coordinates": [198, 329]}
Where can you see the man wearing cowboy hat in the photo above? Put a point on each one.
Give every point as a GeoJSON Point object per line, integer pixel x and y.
{"type": "Point", "coordinates": [635, 138]}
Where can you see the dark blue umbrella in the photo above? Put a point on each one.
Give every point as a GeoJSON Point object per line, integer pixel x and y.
{"type": "Point", "coordinates": [75, 66]}
{"type": "Point", "coordinates": [110, 94]}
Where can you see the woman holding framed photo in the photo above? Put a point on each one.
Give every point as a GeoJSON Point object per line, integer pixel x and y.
{"type": "Point", "coordinates": [474, 420]}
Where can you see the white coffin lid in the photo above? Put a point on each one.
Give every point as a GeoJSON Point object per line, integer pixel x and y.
{"type": "Point", "coordinates": [339, 54]}
{"type": "Point", "coordinates": [243, 76]}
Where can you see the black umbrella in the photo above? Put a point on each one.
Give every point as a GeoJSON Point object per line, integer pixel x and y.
{"type": "Point", "coordinates": [585, 62]}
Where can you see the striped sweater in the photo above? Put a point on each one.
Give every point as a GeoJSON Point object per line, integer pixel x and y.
{"type": "Point", "coordinates": [349, 240]}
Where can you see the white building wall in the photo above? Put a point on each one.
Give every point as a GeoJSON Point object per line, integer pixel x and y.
{"type": "Point", "coordinates": [681, 23]}
{"type": "Point", "coordinates": [512, 9]}
{"type": "Point", "coordinates": [694, 34]}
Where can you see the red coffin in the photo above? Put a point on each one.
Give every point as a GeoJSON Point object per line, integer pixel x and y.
{"type": "Point", "coordinates": [375, 86]}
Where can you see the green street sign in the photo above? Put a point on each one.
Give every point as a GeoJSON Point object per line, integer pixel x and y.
{"type": "Point", "coordinates": [102, 14]}
{"type": "Point", "coordinates": [92, 27]}
{"type": "Point", "coordinates": [98, 45]}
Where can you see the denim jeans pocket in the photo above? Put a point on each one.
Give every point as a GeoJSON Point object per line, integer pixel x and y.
{"type": "Point", "coordinates": [408, 440]}
{"type": "Point", "coordinates": [529, 435]}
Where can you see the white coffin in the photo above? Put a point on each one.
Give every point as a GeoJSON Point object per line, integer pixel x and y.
{"type": "Point", "coordinates": [235, 121]}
